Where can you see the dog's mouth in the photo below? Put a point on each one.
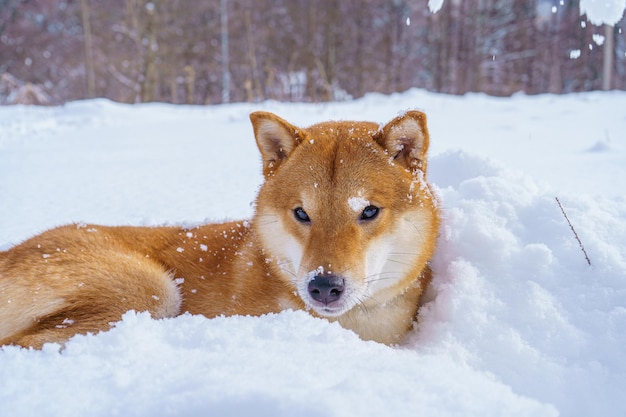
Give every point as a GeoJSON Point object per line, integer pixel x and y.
{"type": "Point", "coordinates": [326, 311]}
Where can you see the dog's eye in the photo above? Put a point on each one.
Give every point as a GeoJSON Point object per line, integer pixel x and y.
{"type": "Point", "coordinates": [301, 215]}
{"type": "Point", "coordinates": [369, 213]}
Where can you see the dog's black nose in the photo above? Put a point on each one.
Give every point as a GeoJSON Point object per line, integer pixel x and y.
{"type": "Point", "coordinates": [326, 288]}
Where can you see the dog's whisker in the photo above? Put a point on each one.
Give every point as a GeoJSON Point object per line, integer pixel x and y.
{"type": "Point", "coordinates": [361, 303]}
{"type": "Point", "coordinates": [266, 222]}
{"type": "Point", "coordinates": [378, 279]}
{"type": "Point", "coordinates": [420, 232]}
{"type": "Point", "coordinates": [403, 254]}
{"type": "Point", "coordinates": [281, 266]}
{"type": "Point", "coordinates": [399, 262]}
{"type": "Point", "coordinates": [293, 274]}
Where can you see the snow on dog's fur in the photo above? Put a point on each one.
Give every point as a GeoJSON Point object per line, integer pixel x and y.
{"type": "Point", "coordinates": [345, 224]}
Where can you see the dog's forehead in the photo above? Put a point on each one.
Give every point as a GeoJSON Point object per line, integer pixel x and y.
{"type": "Point", "coordinates": [344, 130]}
{"type": "Point", "coordinates": [333, 143]}
{"type": "Point", "coordinates": [344, 171]}
{"type": "Point", "coordinates": [343, 152]}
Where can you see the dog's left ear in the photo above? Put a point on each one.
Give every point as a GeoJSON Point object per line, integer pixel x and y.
{"type": "Point", "coordinates": [276, 139]}
{"type": "Point", "coordinates": [406, 139]}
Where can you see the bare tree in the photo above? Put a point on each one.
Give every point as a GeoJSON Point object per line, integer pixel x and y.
{"type": "Point", "coordinates": [89, 64]}
{"type": "Point", "coordinates": [314, 50]}
{"type": "Point", "coordinates": [607, 61]}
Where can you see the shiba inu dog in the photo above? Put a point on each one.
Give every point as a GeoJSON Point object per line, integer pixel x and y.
{"type": "Point", "coordinates": [344, 226]}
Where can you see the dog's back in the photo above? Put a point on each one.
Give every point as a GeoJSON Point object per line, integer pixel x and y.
{"type": "Point", "coordinates": [77, 279]}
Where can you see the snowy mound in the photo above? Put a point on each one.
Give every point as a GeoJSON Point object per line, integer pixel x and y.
{"type": "Point", "coordinates": [278, 365]}
{"type": "Point", "coordinates": [516, 324]}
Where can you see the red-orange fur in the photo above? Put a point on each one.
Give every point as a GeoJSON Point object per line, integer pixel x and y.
{"type": "Point", "coordinates": [80, 278]}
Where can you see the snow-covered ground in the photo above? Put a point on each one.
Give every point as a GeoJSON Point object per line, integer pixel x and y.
{"type": "Point", "coordinates": [518, 324]}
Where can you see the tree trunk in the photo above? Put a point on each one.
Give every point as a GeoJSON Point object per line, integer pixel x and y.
{"type": "Point", "coordinates": [311, 88]}
{"type": "Point", "coordinates": [607, 59]}
{"type": "Point", "coordinates": [225, 58]}
{"type": "Point", "coordinates": [89, 65]}
{"type": "Point", "coordinates": [190, 83]}
{"type": "Point", "coordinates": [148, 86]}
{"type": "Point", "coordinates": [255, 92]}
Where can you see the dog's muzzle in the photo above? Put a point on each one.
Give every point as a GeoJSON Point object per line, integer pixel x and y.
{"type": "Point", "coordinates": [327, 290]}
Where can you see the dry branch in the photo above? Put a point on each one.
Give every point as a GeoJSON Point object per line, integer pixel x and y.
{"type": "Point", "coordinates": [582, 247]}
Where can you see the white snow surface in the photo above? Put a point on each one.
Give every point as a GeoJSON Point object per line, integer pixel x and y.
{"type": "Point", "coordinates": [598, 12]}
{"type": "Point", "coordinates": [603, 11]}
{"type": "Point", "coordinates": [516, 322]}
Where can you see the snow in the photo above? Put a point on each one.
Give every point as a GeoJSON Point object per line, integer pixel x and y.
{"type": "Point", "coordinates": [516, 322]}
{"type": "Point", "coordinates": [435, 5]}
{"type": "Point", "coordinates": [603, 11]}
{"type": "Point", "coordinates": [357, 204]}
{"type": "Point", "coordinates": [598, 39]}
{"type": "Point", "coordinates": [598, 12]}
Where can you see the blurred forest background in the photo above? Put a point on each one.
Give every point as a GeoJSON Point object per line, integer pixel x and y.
{"type": "Point", "coordinates": [215, 51]}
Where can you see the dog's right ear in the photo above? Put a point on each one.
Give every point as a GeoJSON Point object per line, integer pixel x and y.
{"type": "Point", "coordinates": [276, 139]}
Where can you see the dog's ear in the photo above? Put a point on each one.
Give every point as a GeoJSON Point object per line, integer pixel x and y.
{"type": "Point", "coordinates": [406, 139]}
{"type": "Point", "coordinates": [276, 139]}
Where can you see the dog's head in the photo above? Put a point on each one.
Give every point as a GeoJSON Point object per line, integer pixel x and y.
{"type": "Point", "coordinates": [345, 215]}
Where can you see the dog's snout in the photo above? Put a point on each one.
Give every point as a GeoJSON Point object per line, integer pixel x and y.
{"type": "Point", "coordinates": [326, 288]}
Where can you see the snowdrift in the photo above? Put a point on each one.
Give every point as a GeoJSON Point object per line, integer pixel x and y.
{"type": "Point", "coordinates": [516, 323]}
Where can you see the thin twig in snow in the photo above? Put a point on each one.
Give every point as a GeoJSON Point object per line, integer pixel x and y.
{"type": "Point", "coordinates": [573, 230]}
